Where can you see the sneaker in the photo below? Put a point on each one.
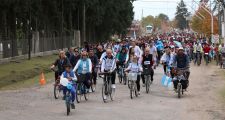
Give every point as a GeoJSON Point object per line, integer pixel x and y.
{"type": "Point", "coordinates": [90, 91]}
{"type": "Point", "coordinates": [139, 93]}
{"type": "Point", "coordinates": [72, 106]}
{"type": "Point", "coordinates": [113, 86]}
{"type": "Point", "coordinates": [104, 97]}
{"type": "Point", "coordinates": [64, 97]}
{"type": "Point", "coordinates": [94, 89]}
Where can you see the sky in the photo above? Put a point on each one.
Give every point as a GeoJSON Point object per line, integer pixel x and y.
{"type": "Point", "coordinates": [155, 7]}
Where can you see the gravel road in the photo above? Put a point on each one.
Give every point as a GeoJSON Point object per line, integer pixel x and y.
{"type": "Point", "coordinates": [201, 102]}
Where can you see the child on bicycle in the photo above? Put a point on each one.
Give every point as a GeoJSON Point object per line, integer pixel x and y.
{"type": "Point", "coordinates": [135, 67]}
{"type": "Point", "coordinates": [69, 75]}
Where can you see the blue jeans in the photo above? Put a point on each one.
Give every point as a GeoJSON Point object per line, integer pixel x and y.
{"type": "Point", "coordinates": [72, 92]}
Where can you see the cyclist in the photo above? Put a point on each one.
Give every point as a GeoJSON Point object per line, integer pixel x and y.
{"type": "Point", "coordinates": [100, 51]}
{"type": "Point", "coordinates": [147, 63]}
{"type": "Point", "coordinates": [206, 50]}
{"type": "Point", "coordinates": [134, 67]}
{"type": "Point", "coordinates": [84, 68]}
{"type": "Point", "coordinates": [109, 65]}
{"type": "Point", "coordinates": [94, 61]}
{"type": "Point", "coordinates": [122, 57]}
{"type": "Point", "coordinates": [198, 50]}
{"type": "Point", "coordinates": [69, 75]}
{"type": "Point", "coordinates": [166, 58]}
{"type": "Point", "coordinates": [74, 58]}
{"type": "Point", "coordinates": [60, 63]}
{"type": "Point", "coordinates": [182, 62]}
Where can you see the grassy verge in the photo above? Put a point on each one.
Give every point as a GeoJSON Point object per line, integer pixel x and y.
{"type": "Point", "coordinates": [25, 73]}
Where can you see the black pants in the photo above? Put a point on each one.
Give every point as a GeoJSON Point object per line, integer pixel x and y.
{"type": "Point", "coordinates": [57, 74]}
{"type": "Point", "coordinates": [138, 82]}
{"type": "Point", "coordinates": [113, 75]}
{"type": "Point", "coordinates": [85, 78]}
{"type": "Point", "coordinates": [94, 77]}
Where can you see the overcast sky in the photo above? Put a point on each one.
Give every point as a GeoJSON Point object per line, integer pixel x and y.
{"type": "Point", "coordinates": [155, 7]}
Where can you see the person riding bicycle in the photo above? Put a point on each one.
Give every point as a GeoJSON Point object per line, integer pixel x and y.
{"type": "Point", "coordinates": [109, 65]}
{"type": "Point", "coordinates": [122, 57]}
{"type": "Point", "coordinates": [94, 61]}
{"type": "Point", "coordinates": [60, 63]}
{"type": "Point", "coordinates": [166, 58]}
{"type": "Point", "coordinates": [135, 67]}
{"type": "Point", "coordinates": [182, 63]}
{"type": "Point", "coordinates": [206, 50]}
{"type": "Point", "coordinates": [198, 50]}
{"type": "Point", "coordinates": [74, 58]}
{"type": "Point", "coordinates": [84, 68]}
{"type": "Point", "coordinates": [147, 62]}
{"type": "Point", "coordinates": [69, 75]}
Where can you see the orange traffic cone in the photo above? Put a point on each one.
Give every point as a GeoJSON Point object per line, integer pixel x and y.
{"type": "Point", "coordinates": [42, 79]}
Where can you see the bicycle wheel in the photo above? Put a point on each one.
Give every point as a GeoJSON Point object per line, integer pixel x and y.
{"type": "Point", "coordinates": [131, 89]}
{"type": "Point", "coordinates": [104, 92]}
{"type": "Point", "coordinates": [120, 79]}
{"type": "Point", "coordinates": [179, 88]}
{"type": "Point", "coordinates": [68, 105]}
{"type": "Point", "coordinates": [56, 91]}
{"type": "Point", "coordinates": [86, 94]}
{"type": "Point", "coordinates": [136, 91]}
{"type": "Point", "coordinates": [78, 93]}
{"type": "Point", "coordinates": [124, 80]}
{"type": "Point", "coordinates": [147, 84]}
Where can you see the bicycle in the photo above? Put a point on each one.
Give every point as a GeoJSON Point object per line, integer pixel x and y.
{"type": "Point", "coordinates": [57, 86]}
{"type": "Point", "coordinates": [182, 82]}
{"type": "Point", "coordinates": [132, 78]}
{"type": "Point", "coordinates": [106, 87]}
{"type": "Point", "coordinates": [81, 89]}
{"type": "Point", "coordinates": [121, 75]}
{"type": "Point", "coordinates": [207, 58]}
{"type": "Point", "coordinates": [70, 85]}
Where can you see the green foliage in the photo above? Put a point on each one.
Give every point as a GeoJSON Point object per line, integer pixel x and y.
{"type": "Point", "coordinates": [181, 13]}
{"type": "Point", "coordinates": [103, 17]}
{"type": "Point", "coordinates": [156, 21]}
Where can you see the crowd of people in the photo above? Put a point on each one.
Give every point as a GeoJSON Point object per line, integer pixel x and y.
{"type": "Point", "coordinates": [174, 51]}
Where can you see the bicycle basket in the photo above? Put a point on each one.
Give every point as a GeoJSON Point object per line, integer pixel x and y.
{"type": "Point", "coordinates": [146, 71]}
{"type": "Point", "coordinates": [132, 76]}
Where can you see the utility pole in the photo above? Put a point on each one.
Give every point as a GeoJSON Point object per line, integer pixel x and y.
{"type": "Point", "coordinates": [29, 31]}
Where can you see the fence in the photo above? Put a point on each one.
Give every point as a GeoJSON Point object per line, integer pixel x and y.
{"type": "Point", "coordinates": [40, 45]}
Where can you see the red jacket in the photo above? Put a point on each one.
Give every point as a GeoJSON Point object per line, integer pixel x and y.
{"type": "Point", "coordinates": [206, 49]}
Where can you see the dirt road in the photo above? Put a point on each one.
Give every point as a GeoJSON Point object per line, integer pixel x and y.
{"type": "Point", "coordinates": [201, 102]}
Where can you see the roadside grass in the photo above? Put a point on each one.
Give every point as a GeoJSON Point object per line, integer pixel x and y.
{"type": "Point", "coordinates": [49, 77]}
{"type": "Point", "coordinates": [25, 73]}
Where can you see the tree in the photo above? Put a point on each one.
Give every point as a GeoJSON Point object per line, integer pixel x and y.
{"type": "Point", "coordinates": [204, 26]}
{"type": "Point", "coordinates": [158, 22]}
{"type": "Point", "coordinates": [181, 14]}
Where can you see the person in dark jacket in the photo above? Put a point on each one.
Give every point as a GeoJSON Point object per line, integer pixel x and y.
{"type": "Point", "coordinates": [94, 60]}
{"type": "Point", "coordinates": [60, 63]}
{"type": "Point", "coordinates": [75, 57]}
{"type": "Point", "coordinates": [182, 62]}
